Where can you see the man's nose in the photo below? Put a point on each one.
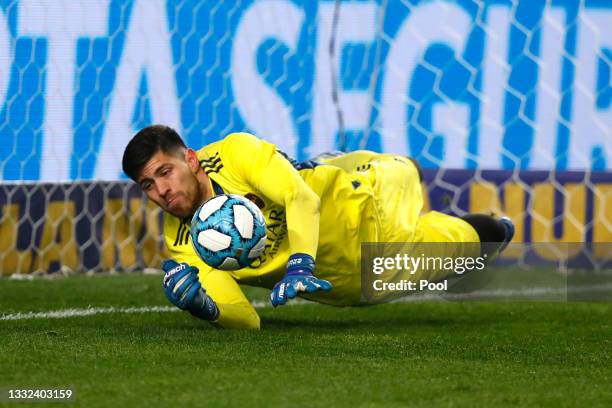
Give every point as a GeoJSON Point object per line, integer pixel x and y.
{"type": "Point", "coordinates": [163, 188]}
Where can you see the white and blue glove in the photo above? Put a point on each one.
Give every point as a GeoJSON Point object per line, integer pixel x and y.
{"type": "Point", "coordinates": [298, 279]}
{"type": "Point", "coordinates": [184, 290]}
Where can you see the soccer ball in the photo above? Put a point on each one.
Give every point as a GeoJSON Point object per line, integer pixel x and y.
{"type": "Point", "coordinates": [228, 232]}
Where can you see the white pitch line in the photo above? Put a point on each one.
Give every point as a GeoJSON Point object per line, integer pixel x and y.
{"type": "Point", "coordinates": [90, 311]}
{"type": "Point", "coordinates": [526, 292]}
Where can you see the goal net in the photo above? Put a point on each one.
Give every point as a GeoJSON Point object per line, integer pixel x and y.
{"type": "Point", "coordinates": [506, 104]}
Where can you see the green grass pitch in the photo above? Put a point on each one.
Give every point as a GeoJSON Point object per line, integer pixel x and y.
{"type": "Point", "coordinates": [418, 354]}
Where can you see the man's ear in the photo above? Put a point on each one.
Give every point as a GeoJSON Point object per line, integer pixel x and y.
{"type": "Point", "coordinates": [192, 160]}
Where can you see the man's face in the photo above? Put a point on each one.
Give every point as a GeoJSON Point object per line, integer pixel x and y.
{"type": "Point", "coordinates": [171, 182]}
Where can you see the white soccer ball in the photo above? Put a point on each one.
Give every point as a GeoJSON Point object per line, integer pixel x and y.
{"type": "Point", "coordinates": [228, 232]}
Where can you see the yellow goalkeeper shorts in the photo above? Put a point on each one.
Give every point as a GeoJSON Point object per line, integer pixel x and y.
{"type": "Point", "coordinates": [393, 215]}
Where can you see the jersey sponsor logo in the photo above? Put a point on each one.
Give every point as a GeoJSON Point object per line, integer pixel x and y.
{"type": "Point", "coordinates": [182, 234]}
{"type": "Point", "coordinates": [276, 226]}
{"type": "Point", "coordinates": [212, 164]}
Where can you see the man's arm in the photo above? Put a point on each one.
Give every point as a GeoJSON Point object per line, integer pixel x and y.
{"type": "Point", "coordinates": [235, 310]}
{"type": "Point", "coordinates": [258, 162]}
{"type": "Point", "coordinates": [267, 171]}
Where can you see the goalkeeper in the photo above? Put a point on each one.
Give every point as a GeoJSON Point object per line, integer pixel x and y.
{"type": "Point", "coordinates": [317, 215]}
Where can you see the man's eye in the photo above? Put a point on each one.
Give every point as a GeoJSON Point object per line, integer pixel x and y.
{"type": "Point", "coordinates": [146, 186]}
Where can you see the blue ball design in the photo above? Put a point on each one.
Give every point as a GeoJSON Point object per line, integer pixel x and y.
{"type": "Point", "coordinates": [228, 232]}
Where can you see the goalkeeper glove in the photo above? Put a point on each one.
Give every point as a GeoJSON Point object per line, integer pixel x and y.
{"type": "Point", "coordinates": [298, 278]}
{"type": "Point", "coordinates": [184, 290]}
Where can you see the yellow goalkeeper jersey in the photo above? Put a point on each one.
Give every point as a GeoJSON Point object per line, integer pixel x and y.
{"type": "Point", "coordinates": [324, 210]}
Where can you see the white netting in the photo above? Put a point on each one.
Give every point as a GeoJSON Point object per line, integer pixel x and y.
{"type": "Point", "coordinates": [506, 103]}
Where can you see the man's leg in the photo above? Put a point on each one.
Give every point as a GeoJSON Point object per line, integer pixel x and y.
{"type": "Point", "coordinates": [400, 188]}
{"type": "Point", "coordinates": [399, 204]}
{"type": "Point", "coordinates": [495, 233]}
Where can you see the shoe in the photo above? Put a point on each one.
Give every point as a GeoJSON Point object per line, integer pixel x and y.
{"type": "Point", "coordinates": [494, 249]}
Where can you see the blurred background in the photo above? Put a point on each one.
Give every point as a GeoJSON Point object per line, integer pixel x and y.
{"type": "Point", "coordinates": [506, 104]}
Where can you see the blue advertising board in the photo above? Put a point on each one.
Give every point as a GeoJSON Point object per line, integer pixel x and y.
{"type": "Point", "coordinates": [457, 84]}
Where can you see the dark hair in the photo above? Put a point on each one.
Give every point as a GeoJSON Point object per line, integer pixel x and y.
{"type": "Point", "coordinates": [146, 143]}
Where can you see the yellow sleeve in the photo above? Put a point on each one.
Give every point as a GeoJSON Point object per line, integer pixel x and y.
{"type": "Point", "coordinates": [258, 163]}
{"type": "Point", "coordinates": [235, 310]}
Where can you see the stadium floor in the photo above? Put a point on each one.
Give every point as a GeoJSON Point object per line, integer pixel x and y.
{"type": "Point", "coordinates": [115, 341]}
